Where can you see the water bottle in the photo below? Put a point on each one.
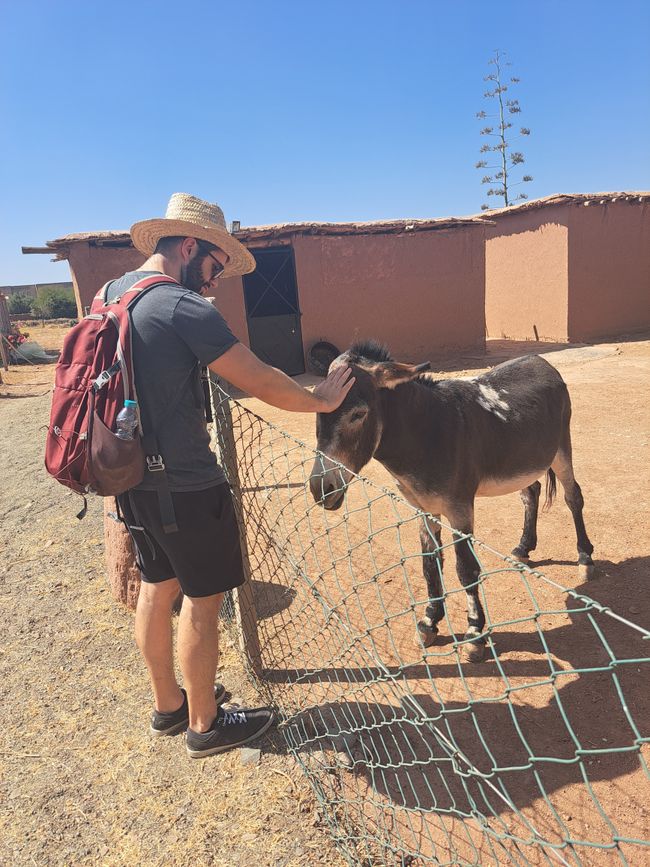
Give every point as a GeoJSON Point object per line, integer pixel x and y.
{"type": "Point", "coordinates": [127, 420]}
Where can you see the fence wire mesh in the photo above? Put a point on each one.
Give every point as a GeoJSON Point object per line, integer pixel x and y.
{"type": "Point", "coordinates": [536, 756]}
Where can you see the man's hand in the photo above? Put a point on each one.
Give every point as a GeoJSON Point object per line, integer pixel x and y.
{"type": "Point", "coordinates": [244, 369]}
{"type": "Point", "coordinates": [331, 393]}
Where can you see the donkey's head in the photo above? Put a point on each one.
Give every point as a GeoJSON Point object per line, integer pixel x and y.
{"type": "Point", "coordinates": [348, 437]}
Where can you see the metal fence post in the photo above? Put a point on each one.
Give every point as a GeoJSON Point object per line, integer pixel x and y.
{"type": "Point", "coordinates": [243, 597]}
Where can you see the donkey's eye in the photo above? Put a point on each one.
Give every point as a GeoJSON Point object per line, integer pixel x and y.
{"type": "Point", "coordinates": [358, 414]}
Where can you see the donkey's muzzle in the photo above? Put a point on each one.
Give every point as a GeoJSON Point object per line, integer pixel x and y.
{"type": "Point", "coordinates": [328, 482]}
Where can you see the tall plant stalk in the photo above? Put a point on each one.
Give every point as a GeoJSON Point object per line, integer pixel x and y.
{"type": "Point", "coordinates": [501, 183]}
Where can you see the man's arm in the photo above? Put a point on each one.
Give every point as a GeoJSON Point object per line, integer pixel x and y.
{"type": "Point", "coordinates": [244, 369]}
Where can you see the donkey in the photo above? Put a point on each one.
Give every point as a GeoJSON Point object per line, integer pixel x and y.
{"type": "Point", "coordinates": [445, 442]}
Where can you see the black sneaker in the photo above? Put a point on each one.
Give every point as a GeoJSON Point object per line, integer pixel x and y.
{"type": "Point", "coordinates": [231, 728]}
{"type": "Point", "coordinates": [178, 720]}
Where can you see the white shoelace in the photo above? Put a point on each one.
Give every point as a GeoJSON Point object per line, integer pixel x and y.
{"type": "Point", "coordinates": [232, 717]}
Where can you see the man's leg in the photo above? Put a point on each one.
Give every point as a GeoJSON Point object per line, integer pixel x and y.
{"type": "Point", "coordinates": [153, 635]}
{"type": "Point", "coordinates": [198, 655]}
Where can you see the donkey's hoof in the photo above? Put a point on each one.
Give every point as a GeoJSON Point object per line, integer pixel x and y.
{"type": "Point", "coordinates": [521, 555]}
{"type": "Point", "coordinates": [475, 651]}
{"type": "Point", "coordinates": [427, 635]}
{"type": "Point", "coordinates": [586, 571]}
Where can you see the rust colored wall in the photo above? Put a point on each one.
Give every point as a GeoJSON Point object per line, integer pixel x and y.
{"type": "Point", "coordinates": [609, 270]}
{"type": "Point", "coordinates": [92, 266]}
{"type": "Point", "coordinates": [229, 301]}
{"type": "Point", "coordinates": [526, 275]}
{"type": "Point", "coordinates": [422, 293]}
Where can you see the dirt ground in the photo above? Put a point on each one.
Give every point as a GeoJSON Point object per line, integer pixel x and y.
{"type": "Point", "coordinates": [350, 560]}
{"type": "Point", "coordinates": [83, 784]}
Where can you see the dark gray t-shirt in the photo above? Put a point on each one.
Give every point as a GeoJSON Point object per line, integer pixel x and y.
{"type": "Point", "coordinates": [174, 332]}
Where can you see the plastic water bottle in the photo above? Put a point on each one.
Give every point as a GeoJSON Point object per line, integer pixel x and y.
{"type": "Point", "coordinates": [127, 420]}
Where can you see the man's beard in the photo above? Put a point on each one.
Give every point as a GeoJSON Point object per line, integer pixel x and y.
{"type": "Point", "coordinates": [192, 276]}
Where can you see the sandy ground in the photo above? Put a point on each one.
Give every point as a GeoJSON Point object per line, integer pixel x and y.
{"type": "Point", "coordinates": [363, 566]}
{"type": "Point", "coordinates": [83, 784]}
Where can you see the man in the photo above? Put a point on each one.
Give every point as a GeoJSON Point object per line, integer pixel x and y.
{"type": "Point", "coordinates": [175, 331]}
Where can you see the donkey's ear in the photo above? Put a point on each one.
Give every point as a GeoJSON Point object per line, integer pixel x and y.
{"type": "Point", "coordinates": [389, 374]}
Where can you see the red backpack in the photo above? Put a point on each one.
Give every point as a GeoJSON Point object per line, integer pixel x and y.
{"type": "Point", "coordinates": [94, 376]}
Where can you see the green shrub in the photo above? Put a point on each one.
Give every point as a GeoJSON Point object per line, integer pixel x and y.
{"type": "Point", "coordinates": [55, 303]}
{"type": "Point", "coordinates": [20, 303]}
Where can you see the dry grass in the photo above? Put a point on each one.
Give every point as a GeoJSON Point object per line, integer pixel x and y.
{"type": "Point", "coordinates": [81, 782]}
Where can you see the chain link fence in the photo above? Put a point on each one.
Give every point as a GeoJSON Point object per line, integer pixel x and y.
{"type": "Point", "coordinates": [539, 755]}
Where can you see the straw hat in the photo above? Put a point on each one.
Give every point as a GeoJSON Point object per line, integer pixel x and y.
{"type": "Point", "coordinates": [189, 217]}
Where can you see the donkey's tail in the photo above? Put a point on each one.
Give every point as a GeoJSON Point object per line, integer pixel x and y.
{"type": "Point", "coordinates": [551, 489]}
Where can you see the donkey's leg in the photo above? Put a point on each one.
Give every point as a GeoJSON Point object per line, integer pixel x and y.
{"type": "Point", "coordinates": [432, 568]}
{"type": "Point", "coordinates": [468, 568]}
{"type": "Point", "coordinates": [528, 542]}
{"type": "Point", "coordinates": [563, 468]}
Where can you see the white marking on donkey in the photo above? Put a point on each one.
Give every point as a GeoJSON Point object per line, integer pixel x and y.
{"type": "Point", "coordinates": [490, 400]}
{"type": "Point", "coordinates": [447, 441]}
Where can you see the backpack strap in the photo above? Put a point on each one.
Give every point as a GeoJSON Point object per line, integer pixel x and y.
{"type": "Point", "coordinates": [155, 464]}
{"type": "Point", "coordinates": [141, 287]}
{"type": "Point", "coordinates": [100, 298]}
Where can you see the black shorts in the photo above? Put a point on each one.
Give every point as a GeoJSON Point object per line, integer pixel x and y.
{"type": "Point", "coordinates": [204, 555]}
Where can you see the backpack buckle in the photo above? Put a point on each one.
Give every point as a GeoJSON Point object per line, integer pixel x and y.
{"type": "Point", "coordinates": [103, 378]}
{"type": "Point", "coordinates": [106, 375]}
{"type": "Point", "coordinates": [155, 463]}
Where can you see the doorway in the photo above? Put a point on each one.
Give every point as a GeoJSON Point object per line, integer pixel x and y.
{"type": "Point", "coordinates": [272, 310]}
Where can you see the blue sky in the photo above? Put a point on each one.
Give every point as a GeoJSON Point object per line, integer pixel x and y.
{"type": "Point", "coordinates": [289, 110]}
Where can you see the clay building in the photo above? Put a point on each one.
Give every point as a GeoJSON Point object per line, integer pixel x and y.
{"type": "Point", "coordinates": [570, 268]}
{"type": "Point", "coordinates": [417, 285]}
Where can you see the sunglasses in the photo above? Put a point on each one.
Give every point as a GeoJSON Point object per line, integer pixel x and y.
{"type": "Point", "coordinates": [217, 267]}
